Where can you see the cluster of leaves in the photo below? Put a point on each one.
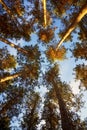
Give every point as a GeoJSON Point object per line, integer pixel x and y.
{"type": "Point", "coordinates": [80, 50]}
{"type": "Point", "coordinates": [30, 63]}
{"type": "Point", "coordinates": [60, 101]}
{"type": "Point", "coordinates": [61, 6]}
{"type": "Point", "coordinates": [33, 52]}
{"type": "Point", "coordinates": [83, 28]}
{"type": "Point", "coordinates": [50, 116]}
{"type": "Point", "coordinates": [16, 6]}
{"type": "Point", "coordinates": [7, 61]}
{"type": "Point", "coordinates": [61, 98]}
{"type": "Point", "coordinates": [81, 74]}
{"type": "Point", "coordinates": [4, 123]}
{"type": "Point", "coordinates": [9, 107]}
{"type": "Point", "coordinates": [53, 54]}
{"type": "Point", "coordinates": [10, 29]}
{"type": "Point", "coordinates": [10, 19]}
{"type": "Point", "coordinates": [46, 35]}
{"type": "Point", "coordinates": [53, 72]}
{"type": "Point", "coordinates": [31, 116]}
{"type": "Point", "coordinates": [38, 13]}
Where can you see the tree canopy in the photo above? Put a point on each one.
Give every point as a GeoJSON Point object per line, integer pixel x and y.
{"type": "Point", "coordinates": [37, 38]}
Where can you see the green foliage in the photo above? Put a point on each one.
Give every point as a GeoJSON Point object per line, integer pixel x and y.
{"type": "Point", "coordinates": [10, 19]}
{"type": "Point", "coordinates": [26, 70]}
{"type": "Point", "coordinates": [29, 65]}
{"type": "Point", "coordinates": [61, 95]}
{"type": "Point", "coordinates": [4, 85]}
{"type": "Point", "coordinates": [83, 28]}
{"type": "Point", "coordinates": [81, 74]}
{"type": "Point", "coordinates": [50, 116]}
{"type": "Point", "coordinates": [54, 55]}
{"type": "Point", "coordinates": [4, 123]}
{"type": "Point", "coordinates": [7, 61]}
{"type": "Point", "coordinates": [31, 118]}
{"type": "Point", "coordinates": [38, 13]}
{"type": "Point", "coordinates": [14, 97]}
{"type": "Point", "coordinates": [52, 73]}
{"type": "Point", "coordinates": [80, 50]}
{"type": "Point", "coordinates": [60, 7]}
{"type": "Point", "coordinates": [46, 35]}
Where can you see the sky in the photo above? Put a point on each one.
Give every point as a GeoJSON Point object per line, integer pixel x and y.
{"type": "Point", "coordinates": [66, 75]}
{"type": "Point", "coordinates": [66, 67]}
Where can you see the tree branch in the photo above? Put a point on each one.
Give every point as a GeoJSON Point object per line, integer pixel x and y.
{"type": "Point", "coordinates": [77, 19]}
{"type": "Point", "coordinates": [14, 46]}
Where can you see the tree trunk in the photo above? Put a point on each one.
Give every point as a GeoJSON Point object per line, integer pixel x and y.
{"type": "Point", "coordinates": [14, 46]}
{"type": "Point", "coordinates": [10, 77]}
{"type": "Point", "coordinates": [65, 119]}
{"type": "Point", "coordinates": [77, 19]}
{"type": "Point", "coordinates": [31, 115]}
{"type": "Point", "coordinates": [44, 6]}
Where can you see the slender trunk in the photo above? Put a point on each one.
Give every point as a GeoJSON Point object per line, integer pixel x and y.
{"type": "Point", "coordinates": [10, 77]}
{"type": "Point", "coordinates": [14, 46]}
{"type": "Point", "coordinates": [31, 115]}
{"type": "Point", "coordinates": [65, 119]}
{"type": "Point", "coordinates": [44, 6]}
{"type": "Point", "coordinates": [77, 19]}
{"type": "Point", "coordinates": [50, 120]}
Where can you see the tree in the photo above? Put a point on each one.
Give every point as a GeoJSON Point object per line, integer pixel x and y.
{"type": "Point", "coordinates": [12, 26]}
{"type": "Point", "coordinates": [50, 112]}
{"type": "Point", "coordinates": [83, 28]}
{"type": "Point", "coordinates": [54, 55]}
{"type": "Point", "coordinates": [7, 61]}
{"type": "Point", "coordinates": [68, 117]}
{"type": "Point", "coordinates": [29, 66]}
{"type": "Point", "coordinates": [41, 14]}
{"type": "Point", "coordinates": [31, 118]}
{"type": "Point", "coordinates": [13, 45]}
{"type": "Point", "coordinates": [46, 35]}
{"type": "Point", "coordinates": [64, 4]}
{"type": "Point", "coordinates": [4, 123]}
{"type": "Point", "coordinates": [79, 50]}
{"type": "Point", "coordinates": [81, 74]}
{"type": "Point", "coordinates": [9, 107]}
{"type": "Point", "coordinates": [21, 74]}
{"type": "Point", "coordinates": [77, 19]}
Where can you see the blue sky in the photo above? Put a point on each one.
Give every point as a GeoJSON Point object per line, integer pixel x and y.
{"type": "Point", "coordinates": [66, 66]}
